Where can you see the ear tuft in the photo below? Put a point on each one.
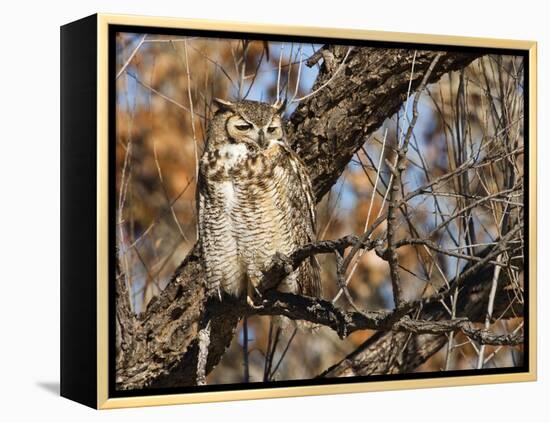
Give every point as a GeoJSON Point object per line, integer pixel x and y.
{"type": "Point", "coordinates": [224, 104]}
{"type": "Point", "coordinates": [280, 107]}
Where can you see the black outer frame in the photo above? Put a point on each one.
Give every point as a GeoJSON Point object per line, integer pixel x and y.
{"type": "Point", "coordinates": [79, 211]}
{"type": "Point", "coordinates": [79, 116]}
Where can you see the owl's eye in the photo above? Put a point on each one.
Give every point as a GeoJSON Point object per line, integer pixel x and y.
{"type": "Point", "coordinates": [271, 129]}
{"type": "Point", "coordinates": [244, 127]}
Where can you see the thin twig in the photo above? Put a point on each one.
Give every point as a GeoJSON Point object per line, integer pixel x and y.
{"type": "Point", "coordinates": [397, 171]}
{"type": "Point", "coordinates": [279, 75]}
{"type": "Point", "coordinates": [311, 94]}
{"type": "Point", "coordinates": [361, 252]}
{"type": "Point", "coordinates": [246, 367]}
{"type": "Point", "coordinates": [204, 343]}
{"type": "Point", "coordinates": [192, 112]}
{"type": "Point", "coordinates": [281, 358]}
{"type": "Point", "coordinates": [490, 306]}
{"type": "Point", "coordinates": [125, 65]}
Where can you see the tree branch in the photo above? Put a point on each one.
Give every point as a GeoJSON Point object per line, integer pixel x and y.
{"type": "Point", "coordinates": [344, 323]}
{"type": "Point", "coordinates": [474, 283]}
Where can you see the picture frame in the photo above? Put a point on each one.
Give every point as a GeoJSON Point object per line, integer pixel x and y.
{"type": "Point", "coordinates": [111, 359]}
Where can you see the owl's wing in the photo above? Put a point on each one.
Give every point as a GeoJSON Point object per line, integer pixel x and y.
{"type": "Point", "coordinates": [303, 200]}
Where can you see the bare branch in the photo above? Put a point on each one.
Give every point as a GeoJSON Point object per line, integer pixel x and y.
{"type": "Point", "coordinates": [344, 323]}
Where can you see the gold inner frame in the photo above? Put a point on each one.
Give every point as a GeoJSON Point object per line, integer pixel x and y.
{"type": "Point", "coordinates": [103, 401]}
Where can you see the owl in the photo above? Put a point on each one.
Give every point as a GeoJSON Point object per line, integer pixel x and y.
{"type": "Point", "coordinates": [254, 199]}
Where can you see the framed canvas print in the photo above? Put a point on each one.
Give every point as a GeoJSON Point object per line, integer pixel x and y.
{"type": "Point", "coordinates": [257, 211]}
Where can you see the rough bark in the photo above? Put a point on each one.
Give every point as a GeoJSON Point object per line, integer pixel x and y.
{"type": "Point", "coordinates": [160, 346]}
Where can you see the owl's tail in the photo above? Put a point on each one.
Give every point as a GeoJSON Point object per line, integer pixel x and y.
{"type": "Point", "coordinates": [309, 283]}
{"type": "Point", "coordinates": [314, 275]}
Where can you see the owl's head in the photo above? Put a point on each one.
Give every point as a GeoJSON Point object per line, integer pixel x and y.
{"type": "Point", "coordinates": [252, 123]}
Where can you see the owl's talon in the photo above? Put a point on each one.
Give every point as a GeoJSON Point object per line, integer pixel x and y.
{"type": "Point", "coordinates": [250, 302]}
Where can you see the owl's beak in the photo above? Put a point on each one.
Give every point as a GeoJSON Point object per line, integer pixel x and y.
{"type": "Point", "coordinates": [261, 139]}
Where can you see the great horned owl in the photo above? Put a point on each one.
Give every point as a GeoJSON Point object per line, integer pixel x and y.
{"type": "Point", "coordinates": [254, 199]}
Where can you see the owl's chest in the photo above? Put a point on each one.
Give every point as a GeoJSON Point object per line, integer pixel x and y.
{"type": "Point", "coordinates": [241, 178]}
{"type": "Point", "coordinates": [231, 157]}
{"type": "Point", "coordinates": [219, 168]}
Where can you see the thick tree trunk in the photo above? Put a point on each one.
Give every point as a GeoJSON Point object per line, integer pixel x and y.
{"type": "Point", "coordinates": [160, 346]}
